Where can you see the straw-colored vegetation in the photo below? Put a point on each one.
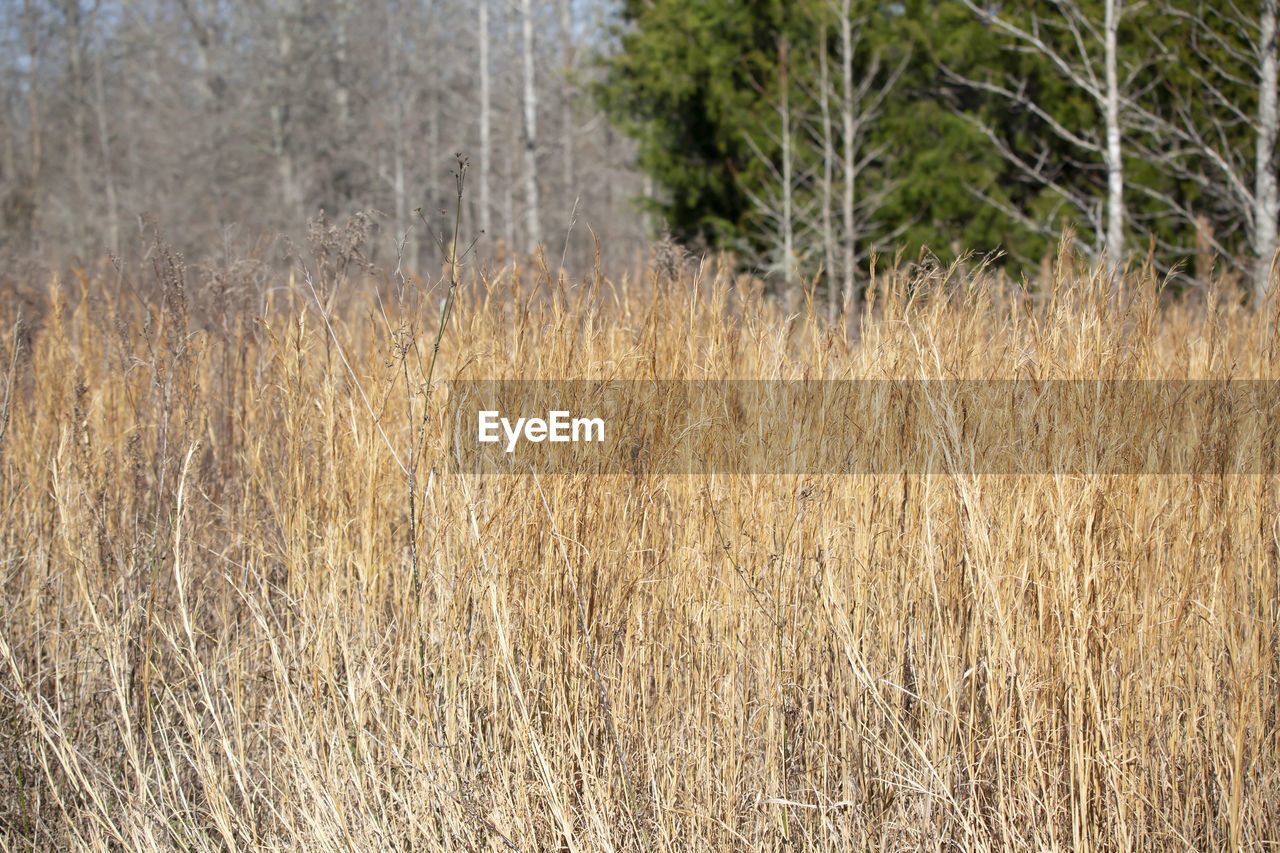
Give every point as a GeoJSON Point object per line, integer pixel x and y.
{"type": "Point", "coordinates": [227, 626]}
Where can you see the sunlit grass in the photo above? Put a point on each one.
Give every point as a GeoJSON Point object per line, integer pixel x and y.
{"type": "Point", "coordinates": [212, 637]}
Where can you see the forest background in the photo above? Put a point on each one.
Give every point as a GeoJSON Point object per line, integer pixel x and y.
{"type": "Point", "coordinates": [804, 136]}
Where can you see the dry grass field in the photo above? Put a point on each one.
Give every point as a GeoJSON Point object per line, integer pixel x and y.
{"type": "Point", "coordinates": [248, 605]}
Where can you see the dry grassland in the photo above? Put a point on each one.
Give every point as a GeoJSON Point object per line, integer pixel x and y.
{"type": "Point", "coordinates": [247, 605]}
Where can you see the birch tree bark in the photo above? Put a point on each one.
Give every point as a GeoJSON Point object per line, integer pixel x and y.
{"type": "Point", "coordinates": [30, 24]}
{"type": "Point", "coordinates": [73, 26]}
{"type": "Point", "coordinates": [533, 233]}
{"type": "Point", "coordinates": [281, 125]}
{"type": "Point", "coordinates": [1266, 201]}
{"type": "Point", "coordinates": [1114, 163]}
{"type": "Point", "coordinates": [1078, 65]}
{"type": "Point", "coordinates": [860, 101]}
{"type": "Point", "coordinates": [826, 185]}
{"type": "Point", "coordinates": [566, 97]}
{"type": "Point", "coordinates": [816, 152]}
{"type": "Point", "coordinates": [782, 214]}
{"type": "Point", "coordinates": [486, 107]}
{"type": "Point", "coordinates": [848, 92]}
{"type": "Point", "coordinates": [1224, 48]}
{"type": "Point", "coordinates": [398, 124]}
{"type": "Point", "coordinates": [788, 179]}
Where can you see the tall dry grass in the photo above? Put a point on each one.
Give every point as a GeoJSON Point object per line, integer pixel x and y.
{"type": "Point", "coordinates": [213, 637]}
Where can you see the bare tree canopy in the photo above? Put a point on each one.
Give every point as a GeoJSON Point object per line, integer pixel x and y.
{"type": "Point", "coordinates": [208, 115]}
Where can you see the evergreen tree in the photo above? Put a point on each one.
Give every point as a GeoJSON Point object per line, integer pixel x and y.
{"type": "Point", "coordinates": [686, 83]}
{"type": "Point", "coordinates": [965, 137]}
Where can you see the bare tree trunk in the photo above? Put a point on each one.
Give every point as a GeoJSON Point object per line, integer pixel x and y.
{"type": "Point", "coordinates": [395, 71]}
{"type": "Point", "coordinates": [847, 119]}
{"type": "Point", "coordinates": [534, 230]}
{"type": "Point", "coordinates": [402, 201]}
{"type": "Point", "coordinates": [337, 179]}
{"type": "Point", "coordinates": [281, 132]}
{"type": "Point", "coordinates": [33, 102]}
{"type": "Point", "coordinates": [1115, 167]}
{"type": "Point", "coordinates": [1070, 24]}
{"type": "Point", "coordinates": [1266, 199]}
{"type": "Point", "coordinates": [566, 97]}
{"type": "Point", "coordinates": [788, 228]}
{"type": "Point", "coordinates": [72, 31]}
{"type": "Point", "coordinates": [485, 117]}
{"type": "Point", "coordinates": [828, 170]}
{"type": "Point", "coordinates": [342, 93]}
{"type": "Point", "coordinates": [435, 106]}
{"type": "Point", "coordinates": [108, 171]}
{"type": "Point", "coordinates": [398, 190]}
{"type": "Point", "coordinates": [509, 215]}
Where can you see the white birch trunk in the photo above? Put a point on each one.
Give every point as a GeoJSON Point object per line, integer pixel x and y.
{"type": "Point", "coordinates": [1114, 164]}
{"type": "Point", "coordinates": [828, 170]}
{"type": "Point", "coordinates": [32, 44]}
{"type": "Point", "coordinates": [399, 188]}
{"type": "Point", "coordinates": [1266, 197]}
{"type": "Point", "coordinates": [788, 229]}
{"type": "Point", "coordinates": [401, 200]}
{"type": "Point", "coordinates": [566, 95]}
{"type": "Point", "coordinates": [485, 116]}
{"type": "Point", "coordinates": [509, 210]}
{"type": "Point", "coordinates": [280, 129]}
{"type": "Point", "coordinates": [534, 225]}
{"type": "Point", "coordinates": [847, 120]}
{"type": "Point", "coordinates": [75, 68]}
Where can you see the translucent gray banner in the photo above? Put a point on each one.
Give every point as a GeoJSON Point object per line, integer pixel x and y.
{"type": "Point", "coordinates": [864, 426]}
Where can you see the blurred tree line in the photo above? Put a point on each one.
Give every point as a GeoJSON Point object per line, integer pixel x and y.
{"type": "Point", "coordinates": [805, 135]}
{"type": "Point", "coordinates": [808, 134]}
{"type": "Point", "coordinates": [228, 120]}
